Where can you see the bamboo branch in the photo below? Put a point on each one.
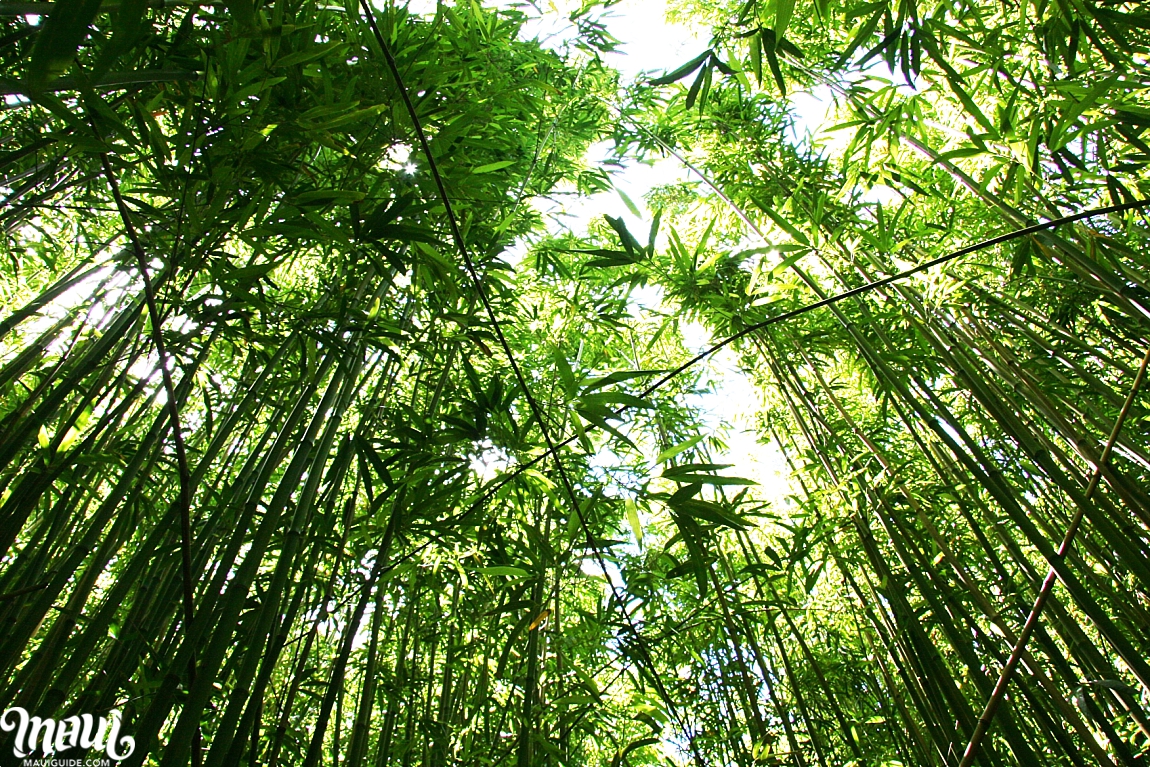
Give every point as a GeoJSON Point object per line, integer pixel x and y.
{"type": "Point", "coordinates": [22, 592]}
{"type": "Point", "coordinates": [185, 501]}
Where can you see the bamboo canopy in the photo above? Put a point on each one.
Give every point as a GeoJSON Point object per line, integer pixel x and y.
{"type": "Point", "coordinates": [320, 445]}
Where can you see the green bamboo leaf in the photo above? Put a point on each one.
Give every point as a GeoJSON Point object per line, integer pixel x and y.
{"type": "Point", "coordinates": [709, 479]}
{"type": "Point", "coordinates": [308, 55]}
{"type": "Point", "coordinates": [633, 520]}
{"type": "Point", "coordinates": [687, 468]}
{"type": "Point", "coordinates": [787, 263]}
{"type": "Point", "coordinates": [769, 40]}
{"type": "Point", "coordinates": [627, 201]}
{"type": "Point", "coordinates": [783, 11]}
{"type": "Point", "coordinates": [618, 376]}
{"type": "Point", "coordinates": [600, 420]}
{"type": "Point", "coordinates": [328, 196]}
{"type": "Point", "coordinates": [683, 71]}
{"type": "Point", "coordinates": [492, 167]}
{"type": "Point", "coordinates": [630, 244]}
{"type": "Point", "coordinates": [340, 120]}
{"type": "Point", "coordinates": [671, 452]}
{"type": "Point", "coordinates": [573, 700]}
{"type": "Point", "coordinates": [783, 223]}
{"type": "Point", "coordinates": [604, 400]}
{"type": "Point", "coordinates": [511, 572]}
{"type": "Point", "coordinates": [608, 259]}
{"type": "Point", "coordinates": [696, 87]}
{"type": "Point", "coordinates": [756, 45]}
{"type": "Point", "coordinates": [510, 607]}
{"type": "Point", "coordinates": [59, 38]}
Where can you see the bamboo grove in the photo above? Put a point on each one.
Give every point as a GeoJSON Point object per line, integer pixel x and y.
{"type": "Point", "coordinates": [319, 446]}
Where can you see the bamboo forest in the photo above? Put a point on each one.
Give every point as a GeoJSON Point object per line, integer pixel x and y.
{"type": "Point", "coordinates": [497, 383]}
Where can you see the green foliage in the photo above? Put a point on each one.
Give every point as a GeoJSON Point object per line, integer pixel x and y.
{"type": "Point", "coordinates": [383, 562]}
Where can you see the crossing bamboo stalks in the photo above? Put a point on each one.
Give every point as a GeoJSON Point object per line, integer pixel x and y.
{"type": "Point", "coordinates": [987, 716]}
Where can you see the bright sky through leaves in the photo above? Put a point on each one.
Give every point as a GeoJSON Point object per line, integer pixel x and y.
{"type": "Point", "coordinates": [649, 45]}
